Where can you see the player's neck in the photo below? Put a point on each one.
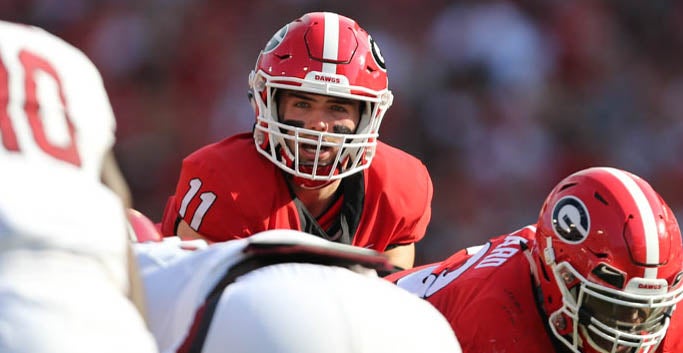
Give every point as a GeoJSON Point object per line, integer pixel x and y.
{"type": "Point", "coordinates": [317, 200]}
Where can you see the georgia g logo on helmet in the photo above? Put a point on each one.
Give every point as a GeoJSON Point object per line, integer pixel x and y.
{"type": "Point", "coordinates": [277, 38]}
{"type": "Point", "coordinates": [571, 221]}
{"type": "Point", "coordinates": [376, 54]}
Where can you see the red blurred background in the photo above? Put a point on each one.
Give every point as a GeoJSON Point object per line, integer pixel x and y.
{"type": "Point", "coordinates": [499, 98]}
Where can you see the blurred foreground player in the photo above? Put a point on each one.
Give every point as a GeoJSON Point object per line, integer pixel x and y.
{"type": "Point", "coordinates": [283, 291]}
{"type": "Point", "coordinates": [65, 275]}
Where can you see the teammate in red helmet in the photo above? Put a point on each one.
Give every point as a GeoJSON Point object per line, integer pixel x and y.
{"type": "Point", "coordinates": [600, 272]}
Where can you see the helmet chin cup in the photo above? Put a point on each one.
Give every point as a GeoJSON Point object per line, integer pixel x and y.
{"type": "Point", "coordinates": [304, 181]}
{"type": "Point", "coordinates": [309, 184]}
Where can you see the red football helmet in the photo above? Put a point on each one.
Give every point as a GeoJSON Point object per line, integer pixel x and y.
{"type": "Point", "coordinates": [321, 53]}
{"type": "Point", "coordinates": [609, 260]}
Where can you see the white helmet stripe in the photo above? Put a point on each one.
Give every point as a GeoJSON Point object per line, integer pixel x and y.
{"type": "Point", "coordinates": [331, 46]}
{"type": "Point", "coordinates": [648, 218]}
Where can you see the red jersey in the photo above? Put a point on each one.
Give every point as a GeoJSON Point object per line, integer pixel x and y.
{"type": "Point", "coordinates": [227, 190]}
{"type": "Point", "coordinates": [673, 342]}
{"type": "Point", "coordinates": [487, 295]}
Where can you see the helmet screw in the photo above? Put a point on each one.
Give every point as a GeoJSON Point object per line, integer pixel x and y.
{"type": "Point", "coordinates": [259, 137]}
{"type": "Point", "coordinates": [559, 322]}
{"type": "Point", "coordinates": [567, 277]}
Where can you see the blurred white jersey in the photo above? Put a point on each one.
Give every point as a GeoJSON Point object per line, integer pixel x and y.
{"type": "Point", "coordinates": [53, 105]}
{"type": "Point", "coordinates": [63, 264]}
{"type": "Point", "coordinates": [281, 306]}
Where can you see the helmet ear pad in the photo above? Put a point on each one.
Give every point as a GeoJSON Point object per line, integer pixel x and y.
{"type": "Point", "coordinates": [252, 101]}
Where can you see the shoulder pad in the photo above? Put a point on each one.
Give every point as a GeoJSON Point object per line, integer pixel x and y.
{"type": "Point", "coordinates": [294, 246]}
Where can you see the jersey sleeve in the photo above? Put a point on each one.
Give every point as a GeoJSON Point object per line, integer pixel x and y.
{"type": "Point", "coordinates": [411, 202]}
{"type": "Point", "coordinates": [673, 342]}
{"type": "Point", "coordinates": [200, 201]}
{"type": "Point", "coordinates": [423, 203]}
{"type": "Point", "coordinates": [227, 191]}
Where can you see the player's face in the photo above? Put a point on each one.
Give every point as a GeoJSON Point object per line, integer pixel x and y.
{"type": "Point", "coordinates": [318, 113]}
{"type": "Point", "coordinates": [627, 319]}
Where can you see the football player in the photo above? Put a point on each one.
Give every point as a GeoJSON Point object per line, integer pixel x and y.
{"type": "Point", "coordinates": [313, 161]}
{"type": "Point", "coordinates": [600, 272]}
{"type": "Point", "coordinates": [54, 108]}
{"type": "Point", "coordinates": [283, 291]}
{"type": "Point", "coordinates": [65, 275]}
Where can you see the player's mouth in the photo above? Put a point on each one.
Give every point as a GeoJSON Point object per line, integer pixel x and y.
{"type": "Point", "coordinates": [308, 152]}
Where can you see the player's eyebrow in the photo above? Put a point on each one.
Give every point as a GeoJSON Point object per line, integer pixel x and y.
{"type": "Point", "coordinates": [293, 123]}
{"type": "Point", "coordinates": [298, 95]}
{"type": "Point", "coordinates": [309, 97]}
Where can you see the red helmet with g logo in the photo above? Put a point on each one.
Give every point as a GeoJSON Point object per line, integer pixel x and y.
{"type": "Point", "coordinates": [609, 259]}
{"type": "Point", "coordinates": [328, 54]}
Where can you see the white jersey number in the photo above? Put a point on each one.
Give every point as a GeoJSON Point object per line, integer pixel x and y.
{"type": "Point", "coordinates": [207, 199]}
{"type": "Point", "coordinates": [425, 283]}
{"type": "Point", "coordinates": [35, 66]}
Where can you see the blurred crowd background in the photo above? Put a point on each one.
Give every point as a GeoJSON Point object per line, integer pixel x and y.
{"type": "Point", "coordinates": [499, 98]}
